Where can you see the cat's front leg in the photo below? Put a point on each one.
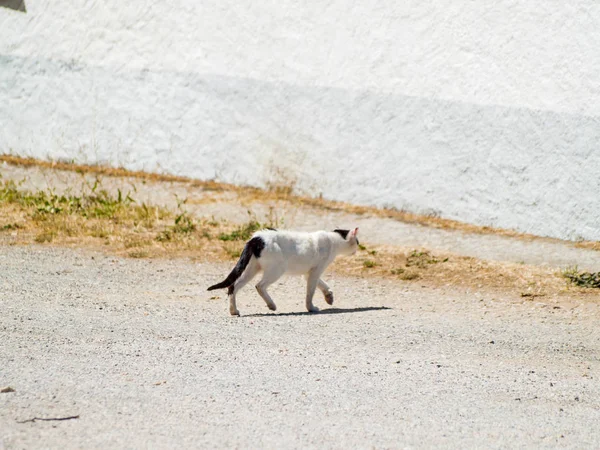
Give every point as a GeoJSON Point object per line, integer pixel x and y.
{"type": "Point", "coordinates": [323, 287]}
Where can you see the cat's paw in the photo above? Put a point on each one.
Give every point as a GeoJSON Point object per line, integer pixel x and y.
{"type": "Point", "coordinates": [272, 306]}
{"type": "Point", "coordinates": [329, 298]}
{"type": "Point", "coordinates": [234, 312]}
{"type": "Point", "coordinates": [313, 309]}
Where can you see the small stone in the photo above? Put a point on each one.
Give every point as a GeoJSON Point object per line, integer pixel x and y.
{"type": "Point", "coordinates": [6, 390]}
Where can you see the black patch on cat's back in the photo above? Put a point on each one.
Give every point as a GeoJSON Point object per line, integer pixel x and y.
{"type": "Point", "coordinates": [256, 245]}
{"type": "Point", "coordinates": [342, 233]}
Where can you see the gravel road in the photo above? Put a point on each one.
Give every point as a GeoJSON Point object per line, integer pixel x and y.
{"type": "Point", "coordinates": [146, 359]}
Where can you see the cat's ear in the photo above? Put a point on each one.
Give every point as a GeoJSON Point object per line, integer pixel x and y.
{"type": "Point", "coordinates": [354, 233]}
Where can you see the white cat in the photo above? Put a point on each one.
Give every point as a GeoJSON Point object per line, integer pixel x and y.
{"type": "Point", "coordinates": [279, 252]}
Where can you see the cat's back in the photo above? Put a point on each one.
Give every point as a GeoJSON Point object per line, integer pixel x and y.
{"type": "Point", "coordinates": [295, 251]}
{"type": "Point", "coordinates": [290, 242]}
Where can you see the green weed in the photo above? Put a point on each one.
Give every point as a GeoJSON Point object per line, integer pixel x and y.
{"type": "Point", "coordinates": [421, 259]}
{"type": "Point", "coordinates": [95, 204]}
{"type": "Point", "coordinates": [242, 233]}
{"type": "Point", "coordinates": [11, 226]}
{"type": "Point", "coordinates": [583, 279]}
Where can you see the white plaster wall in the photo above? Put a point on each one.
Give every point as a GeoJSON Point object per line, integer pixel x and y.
{"type": "Point", "coordinates": [485, 112]}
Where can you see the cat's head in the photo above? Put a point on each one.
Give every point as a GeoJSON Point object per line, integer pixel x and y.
{"type": "Point", "coordinates": [351, 239]}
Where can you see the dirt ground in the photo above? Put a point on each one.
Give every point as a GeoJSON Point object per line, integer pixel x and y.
{"type": "Point", "coordinates": [140, 355]}
{"type": "Point", "coordinates": [147, 358]}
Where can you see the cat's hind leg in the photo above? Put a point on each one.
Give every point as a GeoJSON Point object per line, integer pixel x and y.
{"type": "Point", "coordinates": [271, 275]}
{"type": "Point", "coordinates": [312, 281]}
{"type": "Point", "coordinates": [250, 272]}
{"type": "Point", "coordinates": [324, 288]}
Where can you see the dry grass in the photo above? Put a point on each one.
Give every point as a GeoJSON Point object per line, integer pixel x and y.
{"type": "Point", "coordinates": [116, 223]}
{"type": "Point", "coordinates": [590, 245]}
{"type": "Point", "coordinates": [448, 270]}
{"type": "Point", "coordinates": [119, 225]}
{"type": "Point", "coordinates": [112, 172]}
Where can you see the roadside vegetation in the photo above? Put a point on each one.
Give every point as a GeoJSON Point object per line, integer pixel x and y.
{"type": "Point", "coordinates": [115, 221]}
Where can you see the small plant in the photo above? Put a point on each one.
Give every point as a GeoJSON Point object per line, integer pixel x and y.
{"type": "Point", "coordinates": [583, 279]}
{"type": "Point", "coordinates": [369, 264]}
{"type": "Point", "coordinates": [361, 247]}
{"type": "Point", "coordinates": [273, 219]}
{"type": "Point", "coordinates": [241, 233]}
{"type": "Point", "coordinates": [11, 226]}
{"type": "Point", "coordinates": [99, 231]}
{"type": "Point", "coordinates": [233, 251]}
{"type": "Point", "coordinates": [133, 242]}
{"type": "Point", "coordinates": [103, 205]}
{"type": "Point", "coordinates": [147, 216]}
{"type": "Point", "coordinates": [184, 224]}
{"type": "Point", "coordinates": [245, 231]}
{"type": "Point", "coordinates": [404, 274]}
{"type": "Point", "coordinates": [138, 254]}
{"type": "Point", "coordinates": [407, 276]}
{"type": "Point", "coordinates": [45, 236]}
{"type": "Point", "coordinates": [280, 182]}
{"type": "Point", "coordinates": [165, 236]}
{"type": "Point", "coordinates": [421, 259]}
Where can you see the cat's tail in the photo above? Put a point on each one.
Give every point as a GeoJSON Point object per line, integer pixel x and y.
{"type": "Point", "coordinates": [253, 247]}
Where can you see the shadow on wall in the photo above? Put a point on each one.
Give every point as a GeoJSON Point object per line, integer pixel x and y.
{"type": "Point", "coordinates": [18, 5]}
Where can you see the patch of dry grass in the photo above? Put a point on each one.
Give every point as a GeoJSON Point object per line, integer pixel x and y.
{"type": "Point", "coordinates": [590, 245]}
{"type": "Point", "coordinates": [118, 224]}
{"type": "Point", "coordinates": [448, 270]}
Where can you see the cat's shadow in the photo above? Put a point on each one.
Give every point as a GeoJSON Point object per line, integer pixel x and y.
{"type": "Point", "coordinates": [321, 312]}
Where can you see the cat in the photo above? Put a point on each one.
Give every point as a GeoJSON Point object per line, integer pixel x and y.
{"type": "Point", "coordinates": [279, 252]}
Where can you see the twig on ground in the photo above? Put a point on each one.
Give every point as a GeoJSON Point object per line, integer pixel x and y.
{"type": "Point", "coordinates": [48, 419]}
